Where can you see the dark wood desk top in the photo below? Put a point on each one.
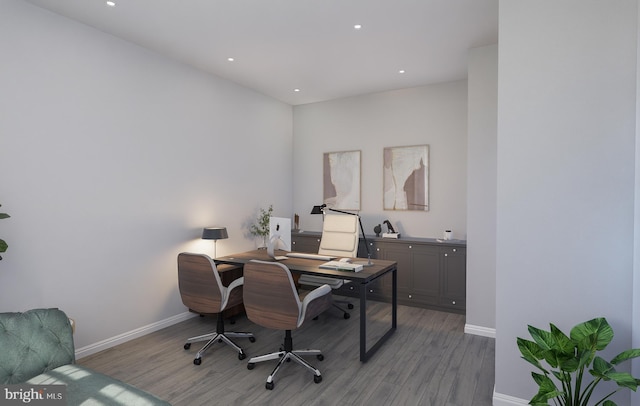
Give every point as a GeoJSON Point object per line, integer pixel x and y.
{"type": "Point", "coordinates": [312, 266]}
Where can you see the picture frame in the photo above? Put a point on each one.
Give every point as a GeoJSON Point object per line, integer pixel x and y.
{"type": "Point", "coordinates": [406, 178]}
{"type": "Point", "coordinates": [341, 180]}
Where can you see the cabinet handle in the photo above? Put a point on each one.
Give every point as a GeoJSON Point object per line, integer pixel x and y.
{"type": "Point", "coordinates": [446, 255]}
{"type": "Point", "coordinates": [410, 297]}
{"type": "Point", "coordinates": [370, 290]}
{"type": "Point", "coordinates": [378, 249]}
{"type": "Point", "coordinates": [293, 242]}
{"type": "Point", "coordinates": [410, 246]}
{"type": "Point", "coordinates": [453, 302]}
{"type": "Point", "coordinates": [454, 250]}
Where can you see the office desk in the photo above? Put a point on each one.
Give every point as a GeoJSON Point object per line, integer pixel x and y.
{"type": "Point", "coordinates": [360, 279]}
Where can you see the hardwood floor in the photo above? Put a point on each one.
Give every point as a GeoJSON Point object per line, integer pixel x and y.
{"type": "Point", "coordinates": [428, 361]}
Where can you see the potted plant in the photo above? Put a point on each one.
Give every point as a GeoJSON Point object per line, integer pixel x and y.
{"type": "Point", "coordinates": [3, 244]}
{"type": "Point", "coordinates": [568, 357]}
{"type": "Point", "coordinates": [261, 227]}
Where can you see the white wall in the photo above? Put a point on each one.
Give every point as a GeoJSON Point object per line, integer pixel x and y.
{"type": "Point", "coordinates": [434, 115]}
{"type": "Point", "coordinates": [566, 152]}
{"type": "Point", "coordinates": [481, 190]}
{"type": "Point", "coordinates": [113, 158]}
{"type": "Point", "coordinates": [635, 332]}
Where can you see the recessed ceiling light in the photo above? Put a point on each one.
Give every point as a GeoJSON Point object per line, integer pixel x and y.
{"type": "Point", "coordinates": [296, 90]}
{"type": "Point", "coordinates": [230, 59]}
{"type": "Point", "coordinates": [111, 3]}
{"type": "Point", "coordinates": [357, 26]}
{"type": "Point", "coordinates": [401, 71]}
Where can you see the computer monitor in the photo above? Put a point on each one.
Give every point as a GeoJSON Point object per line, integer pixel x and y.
{"type": "Point", "coordinates": [281, 227]}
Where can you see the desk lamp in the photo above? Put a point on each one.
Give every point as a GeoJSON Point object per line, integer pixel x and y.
{"type": "Point", "coordinates": [215, 234]}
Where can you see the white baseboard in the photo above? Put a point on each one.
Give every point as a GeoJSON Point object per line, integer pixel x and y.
{"type": "Point", "coordinates": [500, 399]}
{"type": "Point", "coordinates": [480, 331]}
{"type": "Point", "coordinates": [130, 335]}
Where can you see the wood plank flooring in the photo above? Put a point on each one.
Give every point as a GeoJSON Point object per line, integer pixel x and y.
{"type": "Point", "coordinates": [428, 361]}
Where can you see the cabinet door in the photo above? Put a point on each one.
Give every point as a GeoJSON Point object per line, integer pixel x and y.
{"type": "Point", "coordinates": [425, 274]}
{"type": "Point", "coordinates": [454, 278]}
{"type": "Point", "coordinates": [402, 255]}
{"type": "Point", "coordinates": [305, 243]}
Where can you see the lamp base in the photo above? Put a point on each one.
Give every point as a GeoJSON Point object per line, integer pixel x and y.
{"type": "Point", "coordinates": [366, 263]}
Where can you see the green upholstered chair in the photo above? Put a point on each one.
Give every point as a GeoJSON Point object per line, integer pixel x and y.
{"type": "Point", "coordinates": [37, 349]}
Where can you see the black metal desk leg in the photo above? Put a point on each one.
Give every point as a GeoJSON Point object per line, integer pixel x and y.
{"type": "Point", "coordinates": [363, 322]}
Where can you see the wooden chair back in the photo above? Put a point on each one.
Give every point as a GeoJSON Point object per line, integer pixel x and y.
{"type": "Point", "coordinates": [270, 296]}
{"type": "Point", "coordinates": [199, 283]}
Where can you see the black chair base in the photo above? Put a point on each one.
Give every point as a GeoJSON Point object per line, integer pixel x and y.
{"type": "Point", "coordinates": [286, 354]}
{"type": "Point", "coordinates": [219, 336]}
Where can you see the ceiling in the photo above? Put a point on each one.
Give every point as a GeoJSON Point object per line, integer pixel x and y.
{"type": "Point", "coordinates": [311, 45]}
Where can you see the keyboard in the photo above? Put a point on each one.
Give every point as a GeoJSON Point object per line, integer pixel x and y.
{"type": "Point", "coordinates": [305, 255]}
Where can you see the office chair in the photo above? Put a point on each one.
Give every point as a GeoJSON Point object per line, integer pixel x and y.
{"type": "Point", "coordinates": [202, 291]}
{"type": "Point", "coordinates": [340, 237]}
{"type": "Point", "coordinates": [272, 301]}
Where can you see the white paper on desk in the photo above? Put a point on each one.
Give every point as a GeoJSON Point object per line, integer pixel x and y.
{"type": "Point", "coordinates": [342, 266]}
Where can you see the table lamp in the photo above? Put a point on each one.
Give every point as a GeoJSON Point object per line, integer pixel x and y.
{"type": "Point", "coordinates": [215, 234]}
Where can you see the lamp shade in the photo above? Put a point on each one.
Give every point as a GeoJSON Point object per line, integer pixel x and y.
{"type": "Point", "coordinates": [214, 233]}
{"type": "Point", "coordinates": [318, 209]}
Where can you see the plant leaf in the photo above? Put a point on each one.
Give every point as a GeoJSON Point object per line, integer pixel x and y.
{"type": "Point", "coordinates": [3, 246]}
{"type": "Point", "coordinates": [547, 389]}
{"type": "Point", "coordinates": [593, 334]}
{"type": "Point", "coordinates": [601, 368]}
{"type": "Point", "coordinates": [4, 215]}
{"type": "Point", "coordinates": [563, 343]}
{"type": "Point", "coordinates": [626, 355]}
{"type": "Point", "coordinates": [543, 338]}
{"type": "Point", "coordinates": [531, 352]}
{"type": "Point", "coordinates": [609, 403]}
{"type": "Point", "coordinates": [623, 379]}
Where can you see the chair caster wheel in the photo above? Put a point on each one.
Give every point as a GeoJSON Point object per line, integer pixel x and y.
{"type": "Point", "coordinates": [252, 339]}
{"type": "Point", "coordinates": [269, 385]}
{"type": "Point", "coordinates": [251, 365]}
{"type": "Point", "coordinates": [317, 378]}
{"type": "Point", "coordinates": [241, 356]}
{"type": "Point", "coordinates": [346, 316]}
{"type": "Point", "coordinates": [350, 306]}
{"type": "Point", "coordinates": [187, 346]}
{"type": "Point", "coordinates": [197, 361]}
{"type": "Point", "coordinates": [320, 357]}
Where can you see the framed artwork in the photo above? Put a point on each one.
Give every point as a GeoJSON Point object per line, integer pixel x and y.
{"type": "Point", "coordinates": [406, 178]}
{"type": "Point", "coordinates": [341, 180]}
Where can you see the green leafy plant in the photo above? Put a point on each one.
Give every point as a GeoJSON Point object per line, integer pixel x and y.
{"type": "Point", "coordinates": [261, 227]}
{"type": "Point", "coordinates": [569, 357]}
{"type": "Point", "coordinates": [3, 244]}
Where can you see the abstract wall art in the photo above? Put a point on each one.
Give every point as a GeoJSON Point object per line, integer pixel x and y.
{"type": "Point", "coordinates": [406, 178]}
{"type": "Point", "coordinates": [341, 180]}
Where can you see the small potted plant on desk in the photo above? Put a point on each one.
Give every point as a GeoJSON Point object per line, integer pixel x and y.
{"type": "Point", "coordinates": [568, 357]}
{"type": "Point", "coordinates": [261, 227]}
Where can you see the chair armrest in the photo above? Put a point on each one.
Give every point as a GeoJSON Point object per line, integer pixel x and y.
{"type": "Point", "coordinates": [315, 302]}
{"type": "Point", "coordinates": [312, 280]}
{"type": "Point", "coordinates": [235, 283]}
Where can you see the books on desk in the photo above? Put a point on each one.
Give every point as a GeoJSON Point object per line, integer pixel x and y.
{"type": "Point", "coordinates": [342, 266]}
